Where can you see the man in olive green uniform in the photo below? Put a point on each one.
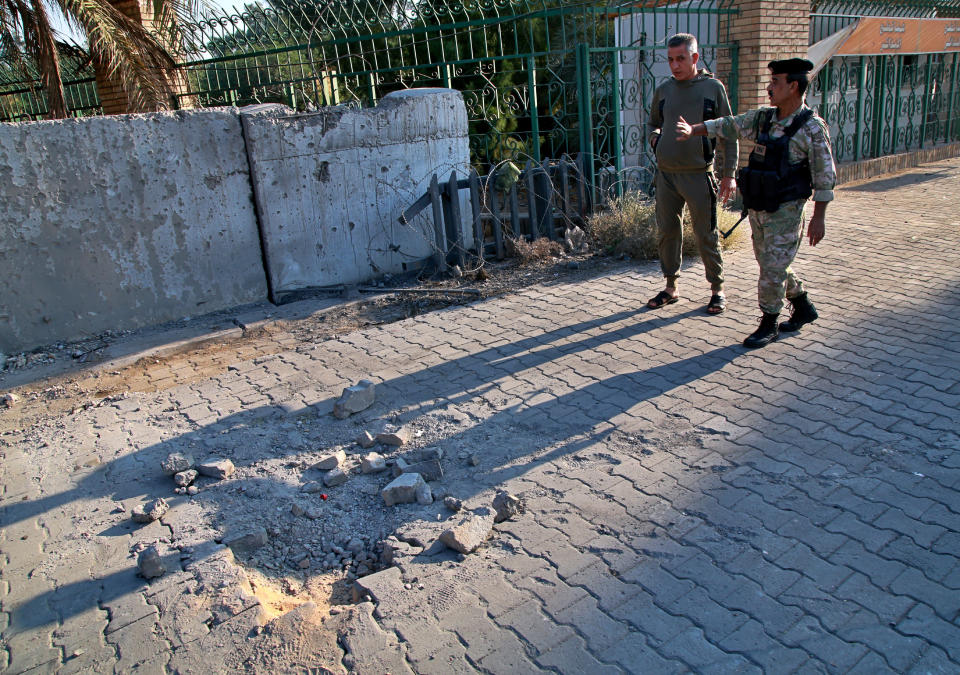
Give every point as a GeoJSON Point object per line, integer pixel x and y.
{"type": "Point", "coordinates": [685, 170]}
{"type": "Point", "coordinates": [791, 162]}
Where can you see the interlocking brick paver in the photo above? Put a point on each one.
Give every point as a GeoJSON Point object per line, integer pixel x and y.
{"type": "Point", "coordinates": [690, 505]}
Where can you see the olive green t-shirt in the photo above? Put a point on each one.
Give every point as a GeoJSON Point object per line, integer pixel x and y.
{"type": "Point", "coordinates": [691, 99]}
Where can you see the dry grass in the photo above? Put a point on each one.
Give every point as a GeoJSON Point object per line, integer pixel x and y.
{"type": "Point", "coordinates": [629, 226]}
{"type": "Point", "coordinates": [536, 251]}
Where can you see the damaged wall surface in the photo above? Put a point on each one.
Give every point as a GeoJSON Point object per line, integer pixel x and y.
{"type": "Point", "coordinates": [331, 185]}
{"type": "Point", "coordinates": [113, 223]}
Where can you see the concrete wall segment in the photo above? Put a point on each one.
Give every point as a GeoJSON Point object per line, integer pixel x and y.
{"type": "Point", "coordinates": [123, 221]}
{"type": "Point", "coordinates": [332, 184]}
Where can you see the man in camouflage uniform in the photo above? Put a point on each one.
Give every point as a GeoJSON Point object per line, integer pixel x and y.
{"type": "Point", "coordinates": [776, 191]}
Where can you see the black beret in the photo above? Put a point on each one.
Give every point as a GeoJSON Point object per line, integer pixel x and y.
{"type": "Point", "coordinates": [790, 67]}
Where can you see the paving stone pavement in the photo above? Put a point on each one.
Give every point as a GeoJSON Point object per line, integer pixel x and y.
{"type": "Point", "coordinates": [691, 506]}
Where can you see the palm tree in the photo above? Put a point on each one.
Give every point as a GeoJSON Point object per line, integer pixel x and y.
{"type": "Point", "coordinates": [115, 44]}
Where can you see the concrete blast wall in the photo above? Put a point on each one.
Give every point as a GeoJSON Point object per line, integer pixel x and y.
{"type": "Point", "coordinates": [331, 185]}
{"type": "Point", "coordinates": [125, 221]}
{"type": "Point", "coordinates": [119, 222]}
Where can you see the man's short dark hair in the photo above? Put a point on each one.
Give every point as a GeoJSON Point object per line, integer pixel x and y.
{"type": "Point", "coordinates": [801, 79]}
{"type": "Point", "coordinates": [683, 40]}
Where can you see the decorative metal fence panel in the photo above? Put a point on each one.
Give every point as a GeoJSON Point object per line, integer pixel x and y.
{"type": "Point", "coordinates": [882, 105]}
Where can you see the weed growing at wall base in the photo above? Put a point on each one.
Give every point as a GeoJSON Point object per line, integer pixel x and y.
{"type": "Point", "coordinates": [628, 225]}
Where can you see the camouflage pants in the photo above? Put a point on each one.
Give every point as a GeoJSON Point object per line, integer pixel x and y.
{"type": "Point", "coordinates": [776, 239]}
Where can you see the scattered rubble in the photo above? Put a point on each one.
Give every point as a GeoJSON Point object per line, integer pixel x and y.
{"type": "Point", "coordinates": [366, 440]}
{"type": "Point", "coordinates": [430, 469]}
{"type": "Point", "coordinates": [149, 563]}
{"type": "Point", "coordinates": [216, 467]}
{"type": "Point", "coordinates": [335, 477]}
{"type": "Point", "coordinates": [185, 478]}
{"type": "Point", "coordinates": [395, 437]}
{"type": "Point", "coordinates": [373, 463]}
{"type": "Point", "coordinates": [330, 461]}
{"type": "Point", "coordinates": [176, 462]}
{"type": "Point", "coordinates": [149, 512]}
{"type": "Point", "coordinates": [424, 494]}
{"type": "Point", "coordinates": [472, 531]}
{"type": "Point", "coordinates": [452, 503]}
{"type": "Point", "coordinates": [507, 506]}
{"type": "Point", "coordinates": [355, 399]}
{"type": "Point", "coordinates": [247, 542]}
{"type": "Point", "coordinates": [403, 489]}
{"type": "Point", "coordinates": [10, 399]}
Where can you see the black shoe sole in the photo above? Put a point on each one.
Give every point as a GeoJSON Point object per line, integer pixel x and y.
{"type": "Point", "coordinates": [757, 345]}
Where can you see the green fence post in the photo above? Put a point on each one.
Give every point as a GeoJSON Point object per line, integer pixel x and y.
{"type": "Point", "coordinates": [616, 134]}
{"type": "Point", "coordinates": [534, 111]}
{"type": "Point", "coordinates": [924, 104]}
{"type": "Point", "coordinates": [953, 95]}
{"type": "Point", "coordinates": [897, 85]}
{"type": "Point", "coordinates": [858, 129]}
{"type": "Point", "coordinates": [585, 107]}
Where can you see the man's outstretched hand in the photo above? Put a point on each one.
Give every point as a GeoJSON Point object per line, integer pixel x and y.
{"type": "Point", "coordinates": [683, 129]}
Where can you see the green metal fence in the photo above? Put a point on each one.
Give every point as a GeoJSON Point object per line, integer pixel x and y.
{"type": "Point", "coordinates": [541, 78]}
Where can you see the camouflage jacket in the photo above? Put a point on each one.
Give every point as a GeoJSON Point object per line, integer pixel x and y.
{"type": "Point", "coordinates": [811, 142]}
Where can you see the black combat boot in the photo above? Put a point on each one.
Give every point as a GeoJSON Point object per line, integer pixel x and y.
{"type": "Point", "coordinates": [803, 312]}
{"type": "Point", "coordinates": [765, 334]}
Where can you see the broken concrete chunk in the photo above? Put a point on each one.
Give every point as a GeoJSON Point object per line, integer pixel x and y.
{"type": "Point", "coordinates": [149, 563]}
{"type": "Point", "coordinates": [335, 477]}
{"type": "Point", "coordinates": [452, 503]}
{"type": "Point", "coordinates": [400, 466]}
{"type": "Point", "coordinates": [474, 460]}
{"type": "Point", "coordinates": [429, 469]}
{"type": "Point", "coordinates": [10, 400]}
{"type": "Point", "coordinates": [399, 437]}
{"type": "Point", "coordinates": [366, 440]}
{"type": "Point", "coordinates": [424, 494]}
{"type": "Point", "coordinates": [373, 463]}
{"type": "Point", "coordinates": [297, 509]}
{"type": "Point", "coordinates": [507, 506]}
{"type": "Point", "coordinates": [149, 512]}
{"type": "Point", "coordinates": [354, 399]}
{"type": "Point", "coordinates": [185, 478]}
{"type": "Point", "coordinates": [216, 467]}
{"type": "Point", "coordinates": [379, 586]}
{"type": "Point", "coordinates": [312, 487]}
{"type": "Point", "coordinates": [329, 461]}
{"type": "Point", "coordinates": [176, 462]}
{"type": "Point", "coordinates": [245, 542]}
{"type": "Point", "coordinates": [403, 489]}
{"type": "Point", "coordinates": [431, 453]}
{"type": "Point", "coordinates": [472, 531]}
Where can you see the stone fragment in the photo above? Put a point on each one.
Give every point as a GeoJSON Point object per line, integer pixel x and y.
{"type": "Point", "coordinates": [304, 563]}
{"type": "Point", "coordinates": [373, 463]}
{"type": "Point", "coordinates": [431, 453]}
{"type": "Point", "coordinates": [379, 586]}
{"type": "Point", "coordinates": [398, 437]}
{"type": "Point", "coordinates": [354, 399]}
{"type": "Point", "coordinates": [474, 460]}
{"type": "Point", "coordinates": [335, 477]}
{"type": "Point", "coordinates": [185, 478]}
{"type": "Point", "coordinates": [176, 462]}
{"type": "Point", "coordinates": [329, 461]}
{"type": "Point", "coordinates": [10, 399]}
{"type": "Point", "coordinates": [399, 466]}
{"type": "Point", "coordinates": [313, 513]}
{"type": "Point", "coordinates": [149, 512]}
{"type": "Point", "coordinates": [366, 440]}
{"type": "Point", "coordinates": [507, 506]}
{"type": "Point", "coordinates": [472, 531]}
{"type": "Point", "coordinates": [429, 469]}
{"type": "Point", "coordinates": [402, 490]}
{"type": "Point", "coordinates": [248, 541]}
{"type": "Point", "coordinates": [216, 467]}
{"type": "Point", "coordinates": [192, 490]}
{"type": "Point", "coordinates": [452, 503]}
{"type": "Point", "coordinates": [424, 494]}
{"type": "Point", "coordinates": [312, 487]}
{"type": "Point", "coordinates": [149, 563]}
{"type": "Point", "coordinates": [297, 510]}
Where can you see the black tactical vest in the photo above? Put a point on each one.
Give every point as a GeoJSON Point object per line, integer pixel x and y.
{"type": "Point", "coordinates": [770, 179]}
